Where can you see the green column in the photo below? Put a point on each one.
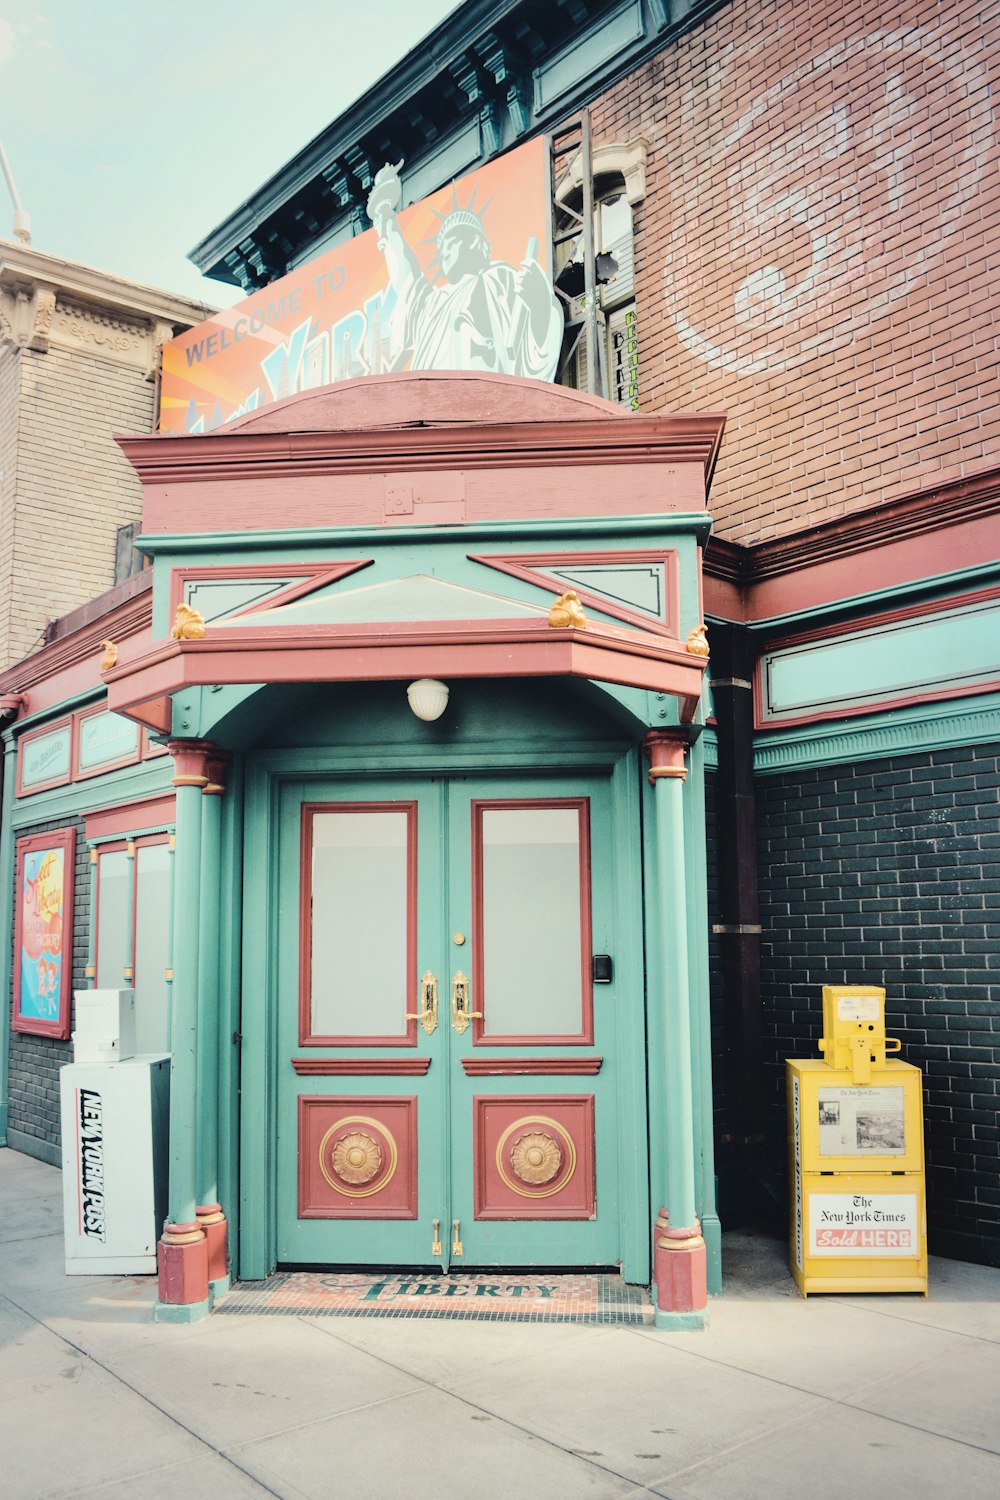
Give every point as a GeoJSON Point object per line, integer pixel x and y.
{"type": "Point", "coordinates": [679, 1252]}
{"type": "Point", "coordinates": [674, 1009]}
{"type": "Point", "coordinates": [208, 984]}
{"type": "Point", "coordinates": [189, 758]}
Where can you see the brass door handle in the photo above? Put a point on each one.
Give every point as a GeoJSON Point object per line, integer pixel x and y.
{"type": "Point", "coordinates": [461, 1015]}
{"type": "Point", "coordinates": [427, 1015]}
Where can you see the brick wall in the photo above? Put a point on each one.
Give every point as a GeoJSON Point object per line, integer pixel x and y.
{"type": "Point", "coordinates": [35, 1061]}
{"type": "Point", "coordinates": [75, 486]}
{"type": "Point", "coordinates": [813, 251]}
{"type": "Point", "coordinates": [888, 872]}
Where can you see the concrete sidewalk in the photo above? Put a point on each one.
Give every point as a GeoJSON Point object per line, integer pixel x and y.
{"type": "Point", "coordinates": [835, 1397]}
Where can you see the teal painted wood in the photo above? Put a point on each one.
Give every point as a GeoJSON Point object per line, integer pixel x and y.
{"type": "Point", "coordinates": [629, 958]}
{"type": "Point", "coordinates": [368, 1240]}
{"type": "Point", "coordinates": [208, 1101]}
{"type": "Point", "coordinates": [956, 648]}
{"type": "Point", "coordinates": [935, 584]}
{"type": "Point", "coordinates": [227, 546]}
{"type": "Point", "coordinates": [526, 1241]}
{"type": "Point", "coordinates": [6, 913]}
{"type": "Point", "coordinates": [673, 1003]}
{"type": "Point", "coordinates": [622, 890]}
{"type": "Point", "coordinates": [701, 1017]}
{"type": "Point", "coordinates": [905, 731]}
{"type": "Point", "coordinates": [184, 1029]}
{"type": "Point", "coordinates": [148, 779]}
{"type": "Point", "coordinates": [655, 983]}
{"type": "Point", "coordinates": [229, 1023]}
{"type": "Point", "coordinates": [258, 1059]}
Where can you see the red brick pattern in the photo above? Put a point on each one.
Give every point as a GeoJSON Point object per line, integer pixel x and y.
{"type": "Point", "coordinates": [813, 252]}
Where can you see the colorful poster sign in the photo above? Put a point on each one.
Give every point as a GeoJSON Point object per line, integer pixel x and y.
{"type": "Point", "coordinates": [459, 281]}
{"type": "Point", "coordinates": [43, 939]}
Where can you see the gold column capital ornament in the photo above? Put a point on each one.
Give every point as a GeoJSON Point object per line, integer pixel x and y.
{"type": "Point", "coordinates": [216, 764]}
{"type": "Point", "coordinates": [666, 752]}
{"type": "Point", "coordinates": [191, 759]}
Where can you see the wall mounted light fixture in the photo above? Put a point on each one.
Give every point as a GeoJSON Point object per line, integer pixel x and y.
{"type": "Point", "coordinates": [428, 698]}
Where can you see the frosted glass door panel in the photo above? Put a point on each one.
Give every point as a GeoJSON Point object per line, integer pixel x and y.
{"type": "Point", "coordinates": [360, 923]}
{"type": "Point", "coordinates": [533, 900]}
{"type": "Point", "coordinates": [114, 916]}
{"type": "Point", "coordinates": [152, 909]}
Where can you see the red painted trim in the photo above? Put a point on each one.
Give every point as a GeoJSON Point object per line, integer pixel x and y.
{"type": "Point", "coordinates": [480, 1035]}
{"type": "Point", "coordinates": [129, 816]}
{"type": "Point", "coordinates": [408, 1038]}
{"type": "Point", "coordinates": [239, 456]}
{"type": "Point", "coordinates": [845, 630]}
{"type": "Point", "coordinates": [874, 548]}
{"type": "Point", "coordinates": [64, 839]}
{"type": "Point", "coordinates": [361, 1067]}
{"type": "Point", "coordinates": [530, 568]}
{"type": "Point", "coordinates": [581, 1108]}
{"type": "Point", "coordinates": [311, 576]}
{"type": "Point", "coordinates": [79, 773]}
{"type": "Point", "coordinates": [150, 750]}
{"type": "Point", "coordinates": [400, 651]}
{"type": "Point", "coordinates": [37, 734]}
{"type": "Point", "coordinates": [553, 1067]}
{"type": "Point", "coordinates": [405, 1177]}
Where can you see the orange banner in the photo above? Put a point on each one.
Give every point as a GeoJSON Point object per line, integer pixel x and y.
{"type": "Point", "coordinates": [460, 280]}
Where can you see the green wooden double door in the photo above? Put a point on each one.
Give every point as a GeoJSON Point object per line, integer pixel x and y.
{"type": "Point", "coordinates": [459, 1030]}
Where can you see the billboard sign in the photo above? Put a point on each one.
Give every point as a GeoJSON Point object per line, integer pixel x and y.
{"type": "Point", "coordinates": [459, 281]}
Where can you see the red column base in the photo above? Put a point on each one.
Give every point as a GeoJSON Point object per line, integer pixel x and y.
{"type": "Point", "coordinates": [680, 1267]}
{"type": "Point", "coordinates": [182, 1265]}
{"type": "Point", "coordinates": [213, 1221]}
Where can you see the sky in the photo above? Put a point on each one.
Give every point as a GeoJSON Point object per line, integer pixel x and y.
{"type": "Point", "coordinates": [132, 129]}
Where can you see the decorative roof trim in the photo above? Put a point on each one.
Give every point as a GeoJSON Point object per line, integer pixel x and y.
{"type": "Point", "coordinates": [910, 731]}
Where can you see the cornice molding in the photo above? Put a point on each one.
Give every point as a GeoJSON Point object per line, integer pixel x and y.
{"type": "Point", "coordinates": [479, 50]}
{"type": "Point", "coordinates": [238, 456]}
{"type": "Point", "coordinates": [907, 732]}
{"type": "Point", "coordinates": [863, 530]}
{"type": "Point", "coordinates": [23, 269]}
{"type": "Point", "coordinates": [150, 778]}
{"type": "Point", "coordinates": [121, 613]}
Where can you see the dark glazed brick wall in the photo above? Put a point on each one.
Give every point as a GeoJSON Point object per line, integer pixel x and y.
{"type": "Point", "coordinates": [888, 872]}
{"type": "Point", "coordinates": [35, 1061]}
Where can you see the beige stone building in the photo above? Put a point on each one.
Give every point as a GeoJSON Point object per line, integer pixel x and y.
{"type": "Point", "coordinates": [79, 361]}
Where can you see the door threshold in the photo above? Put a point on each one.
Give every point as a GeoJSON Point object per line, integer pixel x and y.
{"type": "Point", "coordinates": [493, 1296]}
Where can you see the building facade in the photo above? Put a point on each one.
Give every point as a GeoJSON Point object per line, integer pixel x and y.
{"type": "Point", "coordinates": [803, 213]}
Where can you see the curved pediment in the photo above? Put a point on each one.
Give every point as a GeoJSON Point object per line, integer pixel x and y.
{"type": "Point", "coordinates": [426, 398]}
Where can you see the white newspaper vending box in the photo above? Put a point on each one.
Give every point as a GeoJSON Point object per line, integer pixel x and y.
{"type": "Point", "coordinates": [114, 1157]}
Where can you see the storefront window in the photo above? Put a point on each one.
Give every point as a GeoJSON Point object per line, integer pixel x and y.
{"type": "Point", "coordinates": [132, 933]}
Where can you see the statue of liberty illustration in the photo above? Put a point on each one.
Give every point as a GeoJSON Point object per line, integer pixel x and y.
{"type": "Point", "coordinates": [488, 315]}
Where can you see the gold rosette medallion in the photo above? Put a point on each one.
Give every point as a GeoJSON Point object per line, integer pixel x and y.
{"type": "Point", "coordinates": [535, 1158]}
{"type": "Point", "coordinates": [353, 1162]}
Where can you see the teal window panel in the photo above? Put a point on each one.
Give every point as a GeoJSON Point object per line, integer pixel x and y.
{"type": "Point", "coordinates": [106, 738]}
{"type": "Point", "coordinates": [954, 649]}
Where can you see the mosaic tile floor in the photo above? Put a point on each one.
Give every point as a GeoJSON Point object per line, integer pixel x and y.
{"type": "Point", "coordinates": [507, 1297]}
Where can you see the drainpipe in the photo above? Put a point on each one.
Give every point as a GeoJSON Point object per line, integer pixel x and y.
{"type": "Point", "coordinates": [734, 659]}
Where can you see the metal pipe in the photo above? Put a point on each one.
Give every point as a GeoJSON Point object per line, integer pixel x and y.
{"type": "Point", "coordinates": [22, 221]}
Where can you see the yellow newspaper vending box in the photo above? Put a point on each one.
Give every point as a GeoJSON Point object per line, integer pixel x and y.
{"type": "Point", "coordinates": [856, 1155]}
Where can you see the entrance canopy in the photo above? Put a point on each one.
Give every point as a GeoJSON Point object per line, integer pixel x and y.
{"type": "Point", "coordinates": [356, 472]}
